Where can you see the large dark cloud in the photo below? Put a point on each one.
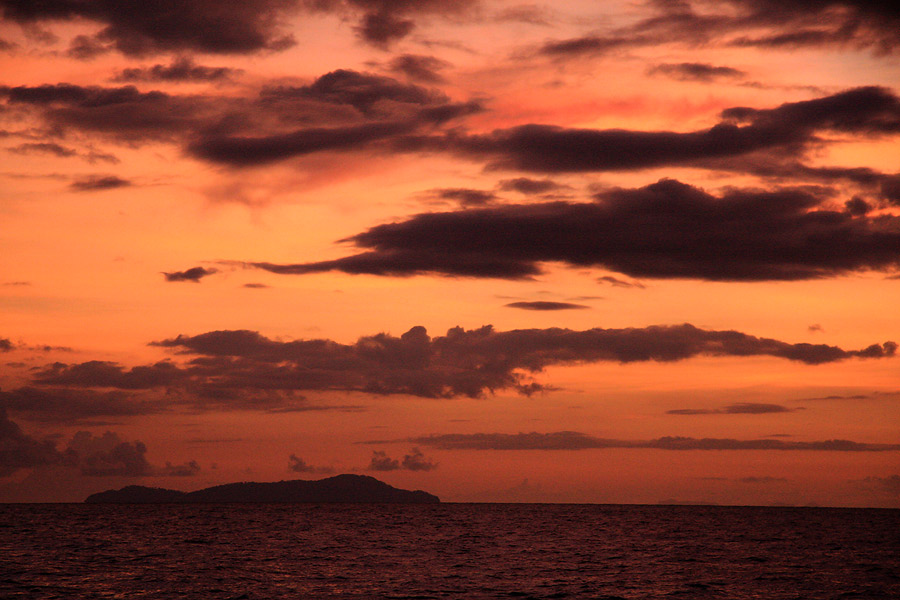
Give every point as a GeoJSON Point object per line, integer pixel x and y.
{"type": "Point", "coordinates": [573, 440]}
{"type": "Point", "coordinates": [462, 363]}
{"type": "Point", "coordinates": [340, 110]}
{"type": "Point", "coordinates": [21, 451]}
{"type": "Point", "coordinates": [243, 370]}
{"type": "Point", "coordinates": [376, 108]}
{"type": "Point", "coordinates": [860, 23]}
{"type": "Point", "coordinates": [855, 24]}
{"type": "Point", "coordinates": [152, 26]}
{"type": "Point", "coordinates": [788, 129]}
{"type": "Point", "coordinates": [103, 456]}
{"type": "Point", "coordinates": [664, 230]}
{"type": "Point", "coordinates": [122, 113]}
{"type": "Point", "coordinates": [73, 402]}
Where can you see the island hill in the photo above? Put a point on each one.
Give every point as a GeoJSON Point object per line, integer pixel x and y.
{"type": "Point", "coordinates": [341, 488]}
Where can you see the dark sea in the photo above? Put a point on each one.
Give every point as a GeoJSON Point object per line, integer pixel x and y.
{"type": "Point", "coordinates": [275, 551]}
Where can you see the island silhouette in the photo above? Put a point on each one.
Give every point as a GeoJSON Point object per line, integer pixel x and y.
{"type": "Point", "coordinates": [337, 489]}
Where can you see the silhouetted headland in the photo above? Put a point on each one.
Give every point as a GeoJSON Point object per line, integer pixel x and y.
{"type": "Point", "coordinates": [341, 488]}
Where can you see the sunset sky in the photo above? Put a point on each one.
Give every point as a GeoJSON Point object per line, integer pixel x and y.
{"type": "Point", "coordinates": [618, 252]}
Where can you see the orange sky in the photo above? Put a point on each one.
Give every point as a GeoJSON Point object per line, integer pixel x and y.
{"type": "Point", "coordinates": [226, 225]}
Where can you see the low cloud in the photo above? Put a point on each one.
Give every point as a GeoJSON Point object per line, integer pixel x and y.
{"type": "Point", "coordinates": [528, 186]}
{"type": "Point", "coordinates": [21, 451]}
{"type": "Point", "coordinates": [139, 29]}
{"type": "Point", "coordinates": [697, 72]}
{"type": "Point", "coordinates": [414, 461]}
{"type": "Point", "coordinates": [888, 485]}
{"type": "Point", "coordinates": [465, 196]}
{"type": "Point", "coordinates": [616, 282]}
{"type": "Point", "coordinates": [541, 305]}
{"type": "Point", "coordinates": [416, 67]}
{"type": "Point", "coordinates": [572, 440]}
{"type": "Point", "coordinates": [243, 369]}
{"type": "Point", "coordinates": [382, 462]}
{"type": "Point", "coordinates": [194, 274]}
{"type": "Point", "coordinates": [741, 408]}
{"type": "Point", "coordinates": [298, 465]}
{"type": "Point", "coordinates": [105, 455]}
{"type": "Point", "coordinates": [98, 182]}
{"type": "Point", "coordinates": [181, 68]}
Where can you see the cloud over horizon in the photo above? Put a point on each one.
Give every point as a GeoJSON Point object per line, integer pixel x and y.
{"type": "Point", "coordinates": [573, 440]}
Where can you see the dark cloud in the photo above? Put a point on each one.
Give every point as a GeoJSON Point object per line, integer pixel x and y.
{"type": "Point", "coordinates": [387, 108]}
{"type": "Point", "coordinates": [122, 113]}
{"type": "Point", "coordinates": [74, 403]}
{"type": "Point", "coordinates": [741, 408]}
{"type": "Point", "coordinates": [366, 92]}
{"type": "Point", "coordinates": [762, 480]}
{"type": "Point", "coordinates": [383, 22]}
{"type": "Point", "coordinates": [771, 24]}
{"type": "Point", "coordinates": [155, 26]}
{"type": "Point", "coordinates": [889, 485]}
{"type": "Point", "coordinates": [414, 461]}
{"type": "Point", "coordinates": [616, 282]}
{"type": "Point", "coordinates": [248, 151]}
{"type": "Point", "coordinates": [194, 274]}
{"type": "Point", "coordinates": [298, 465]}
{"type": "Point", "coordinates": [589, 45]}
{"type": "Point", "coordinates": [525, 185]}
{"type": "Point", "coordinates": [464, 362]}
{"type": "Point", "coordinates": [255, 286]}
{"type": "Point", "coordinates": [21, 451]}
{"type": "Point", "coordinates": [102, 374]}
{"type": "Point", "coordinates": [243, 370]}
{"type": "Point", "coordinates": [573, 440]}
{"type": "Point", "coordinates": [108, 456]}
{"type": "Point", "coordinates": [382, 462]}
{"type": "Point", "coordinates": [696, 72]}
{"type": "Point", "coordinates": [5, 345]}
{"type": "Point", "coordinates": [743, 235]}
{"type": "Point", "coordinates": [188, 469]}
{"type": "Point", "coordinates": [419, 68]}
{"type": "Point", "coordinates": [858, 23]}
{"type": "Point", "coordinates": [181, 69]}
{"type": "Point", "coordinates": [43, 148]}
{"type": "Point", "coordinates": [465, 196]}
{"type": "Point", "coordinates": [84, 47]}
{"type": "Point", "coordinates": [788, 129]}
{"type": "Point", "coordinates": [98, 182]}
{"type": "Point", "coordinates": [545, 305]}
{"type": "Point", "coordinates": [815, 328]}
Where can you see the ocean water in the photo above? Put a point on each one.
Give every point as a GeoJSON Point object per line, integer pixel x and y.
{"type": "Point", "coordinates": [311, 551]}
